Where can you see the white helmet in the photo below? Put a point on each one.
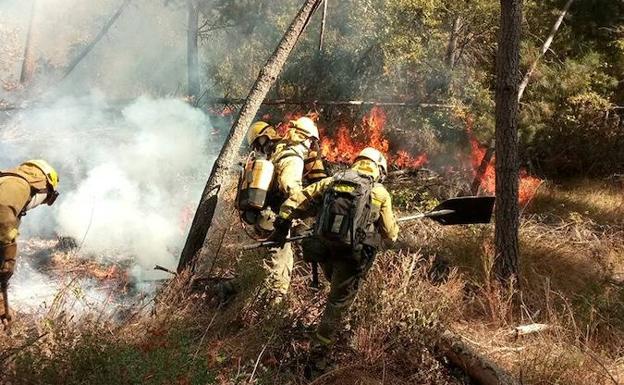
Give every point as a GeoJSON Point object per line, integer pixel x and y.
{"type": "Point", "coordinates": [376, 156]}
{"type": "Point", "coordinates": [306, 126]}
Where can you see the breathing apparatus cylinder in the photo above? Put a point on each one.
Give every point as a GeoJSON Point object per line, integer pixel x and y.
{"type": "Point", "coordinates": [254, 186]}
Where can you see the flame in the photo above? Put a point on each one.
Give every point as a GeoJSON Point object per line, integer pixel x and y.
{"type": "Point", "coordinates": [348, 140]}
{"type": "Point", "coordinates": [528, 184]}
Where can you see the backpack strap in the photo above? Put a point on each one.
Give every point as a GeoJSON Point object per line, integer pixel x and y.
{"type": "Point", "coordinates": [33, 191]}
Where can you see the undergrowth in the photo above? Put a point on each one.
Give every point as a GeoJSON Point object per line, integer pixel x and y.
{"type": "Point", "coordinates": [436, 275]}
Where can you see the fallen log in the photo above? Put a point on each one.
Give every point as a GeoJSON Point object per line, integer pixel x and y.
{"type": "Point", "coordinates": [480, 369]}
{"type": "Point", "coordinates": [295, 102]}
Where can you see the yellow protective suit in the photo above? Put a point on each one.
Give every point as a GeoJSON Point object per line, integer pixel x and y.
{"type": "Point", "coordinates": [345, 274]}
{"type": "Point", "coordinates": [17, 186]}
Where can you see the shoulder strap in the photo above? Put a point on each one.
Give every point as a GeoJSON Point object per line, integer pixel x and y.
{"type": "Point", "coordinates": [22, 177]}
{"type": "Point", "coordinates": [8, 173]}
{"type": "Point", "coordinates": [33, 191]}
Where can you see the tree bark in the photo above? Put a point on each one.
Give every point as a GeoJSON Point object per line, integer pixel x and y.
{"type": "Point", "coordinates": [193, 249]}
{"type": "Point", "coordinates": [507, 162]}
{"type": "Point", "coordinates": [545, 46]}
{"type": "Point", "coordinates": [192, 51]}
{"type": "Point", "coordinates": [97, 38]}
{"type": "Point", "coordinates": [28, 65]}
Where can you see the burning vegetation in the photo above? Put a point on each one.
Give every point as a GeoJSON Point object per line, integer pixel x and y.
{"type": "Point", "coordinates": [483, 166]}
{"type": "Point", "coordinates": [348, 140]}
{"type": "Point", "coordinates": [134, 143]}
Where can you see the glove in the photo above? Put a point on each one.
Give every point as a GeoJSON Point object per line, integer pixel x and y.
{"type": "Point", "coordinates": [282, 227]}
{"type": "Point", "coordinates": [8, 253]}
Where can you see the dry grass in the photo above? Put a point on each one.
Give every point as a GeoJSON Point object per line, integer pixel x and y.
{"type": "Point", "coordinates": [571, 260]}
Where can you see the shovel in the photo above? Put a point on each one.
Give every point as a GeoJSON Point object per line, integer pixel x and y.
{"type": "Point", "coordinates": [455, 211]}
{"type": "Point", "coordinates": [459, 211]}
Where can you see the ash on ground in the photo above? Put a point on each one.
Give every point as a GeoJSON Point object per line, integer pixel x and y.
{"type": "Point", "coordinates": [53, 274]}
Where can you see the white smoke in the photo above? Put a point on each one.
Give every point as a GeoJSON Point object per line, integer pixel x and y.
{"type": "Point", "coordinates": [131, 172]}
{"type": "Point", "coordinates": [127, 179]}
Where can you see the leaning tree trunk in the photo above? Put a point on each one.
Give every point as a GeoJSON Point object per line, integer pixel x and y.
{"type": "Point", "coordinates": [97, 38]}
{"type": "Point", "coordinates": [545, 46]}
{"type": "Point", "coordinates": [507, 162]}
{"type": "Point", "coordinates": [192, 52]}
{"type": "Point", "coordinates": [219, 174]}
{"type": "Point", "coordinates": [28, 65]}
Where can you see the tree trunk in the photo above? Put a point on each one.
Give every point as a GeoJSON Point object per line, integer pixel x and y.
{"type": "Point", "coordinates": [545, 46]}
{"type": "Point", "coordinates": [28, 65]}
{"type": "Point", "coordinates": [451, 51]}
{"type": "Point", "coordinates": [97, 38]}
{"type": "Point", "coordinates": [192, 51]}
{"type": "Point", "coordinates": [219, 174]}
{"type": "Point", "coordinates": [507, 163]}
{"type": "Point", "coordinates": [323, 20]}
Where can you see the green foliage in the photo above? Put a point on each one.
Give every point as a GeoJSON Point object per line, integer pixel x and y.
{"type": "Point", "coordinates": [572, 130]}
{"type": "Point", "coordinates": [399, 50]}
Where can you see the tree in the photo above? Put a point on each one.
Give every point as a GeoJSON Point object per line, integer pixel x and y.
{"type": "Point", "coordinates": [545, 46]}
{"type": "Point", "coordinates": [28, 64]}
{"type": "Point", "coordinates": [85, 51]}
{"type": "Point", "coordinates": [507, 160]}
{"type": "Point", "coordinates": [192, 52]}
{"type": "Point", "coordinates": [219, 174]}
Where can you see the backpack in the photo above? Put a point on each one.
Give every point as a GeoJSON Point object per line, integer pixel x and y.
{"type": "Point", "coordinates": [345, 219]}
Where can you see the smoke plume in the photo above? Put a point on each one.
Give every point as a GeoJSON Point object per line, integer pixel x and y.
{"type": "Point", "coordinates": [126, 178]}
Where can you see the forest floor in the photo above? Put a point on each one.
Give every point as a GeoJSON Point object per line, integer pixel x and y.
{"type": "Point", "coordinates": [572, 280]}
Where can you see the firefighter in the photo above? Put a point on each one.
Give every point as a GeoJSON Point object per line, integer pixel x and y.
{"type": "Point", "coordinates": [262, 137]}
{"type": "Point", "coordinates": [294, 160]}
{"type": "Point", "coordinates": [298, 150]}
{"type": "Point", "coordinates": [256, 178]}
{"type": "Point", "coordinates": [344, 267]}
{"type": "Point", "coordinates": [256, 200]}
{"type": "Point", "coordinates": [23, 188]}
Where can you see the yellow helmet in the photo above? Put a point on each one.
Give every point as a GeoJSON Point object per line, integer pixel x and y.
{"type": "Point", "coordinates": [376, 156]}
{"type": "Point", "coordinates": [49, 171]}
{"type": "Point", "coordinates": [306, 126]}
{"type": "Point", "coordinates": [259, 129]}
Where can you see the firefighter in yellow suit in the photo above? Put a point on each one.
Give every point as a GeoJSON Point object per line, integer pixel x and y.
{"type": "Point", "coordinates": [345, 273]}
{"type": "Point", "coordinates": [23, 188]}
{"type": "Point", "coordinates": [297, 162]}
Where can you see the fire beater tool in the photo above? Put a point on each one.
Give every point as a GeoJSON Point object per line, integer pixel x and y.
{"type": "Point", "coordinates": [455, 211]}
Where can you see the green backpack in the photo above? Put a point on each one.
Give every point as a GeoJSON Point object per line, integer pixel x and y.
{"type": "Point", "coordinates": [346, 218]}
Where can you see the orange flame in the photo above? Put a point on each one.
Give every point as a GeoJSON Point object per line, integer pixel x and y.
{"type": "Point", "coordinates": [528, 184]}
{"type": "Point", "coordinates": [348, 141]}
